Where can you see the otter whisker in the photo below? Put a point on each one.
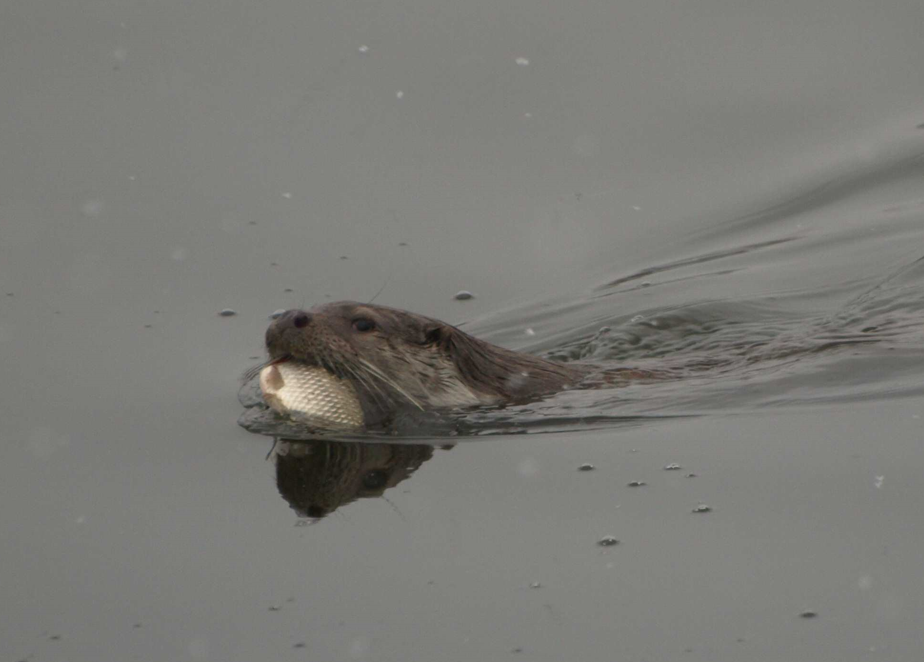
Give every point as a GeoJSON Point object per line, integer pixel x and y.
{"type": "Point", "coordinates": [378, 373]}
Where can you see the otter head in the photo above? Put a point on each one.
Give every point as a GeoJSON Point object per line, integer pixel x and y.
{"type": "Point", "coordinates": [393, 357]}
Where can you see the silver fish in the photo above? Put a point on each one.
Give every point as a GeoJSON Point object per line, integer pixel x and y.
{"type": "Point", "coordinates": [311, 394]}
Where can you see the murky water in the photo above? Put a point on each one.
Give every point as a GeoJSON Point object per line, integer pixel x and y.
{"type": "Point", "coordinates": [729, 194]}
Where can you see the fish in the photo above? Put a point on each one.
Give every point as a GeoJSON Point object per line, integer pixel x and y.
{"type": "Point", "coordinates": [311, 395]}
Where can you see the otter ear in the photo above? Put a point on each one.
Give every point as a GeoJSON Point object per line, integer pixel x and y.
{"type": "Point", "coordinates": [434, 335]}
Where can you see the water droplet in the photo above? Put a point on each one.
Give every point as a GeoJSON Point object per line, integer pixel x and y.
{"type": "Point", "coordinates": [529, 332]}
{"type": "Point", "coordinates": [522, 61]}
{"type": "Point", "coordinates": [702, 508]}
{"type": "Point", "coordinates": [608, 541]}
{"type": "Point", "coordinates": [227, 312]}
{"type": "Point", "coordinates": [464, 295]}
{"type": "Point", "coordinates": [673, 466]}
{"type": "Point", "coordinates": [399, 94]}
{"type": "Point", "coordinates": [363, 49]}
{"type": "Point", "coordinates": [587, 466]}
{"type": "Point", "coordinates": [646, 283]}
{"type": "Point", "coordinates": [277, 313]}
{"type": "Point", "coordinates": [535, 585]}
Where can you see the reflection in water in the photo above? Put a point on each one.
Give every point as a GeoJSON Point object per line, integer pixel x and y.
{"type": "Point", "coordinates": [317, 477]}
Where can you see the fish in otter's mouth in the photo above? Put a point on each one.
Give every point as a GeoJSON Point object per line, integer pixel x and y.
{"type": "Point", "coordinates": [350, 365]}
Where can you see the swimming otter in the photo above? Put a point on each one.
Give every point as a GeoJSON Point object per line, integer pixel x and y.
{"type": "Point", "coordinates": [369, 362]}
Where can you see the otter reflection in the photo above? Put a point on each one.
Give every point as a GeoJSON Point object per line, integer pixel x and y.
{"type": "Point", "coordinates": [317, 477]}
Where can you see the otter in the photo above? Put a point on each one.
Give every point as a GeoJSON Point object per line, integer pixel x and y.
{"type": "Point", "coordinates": [350, 365]}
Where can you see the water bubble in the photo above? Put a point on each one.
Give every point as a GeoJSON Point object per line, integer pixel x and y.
{"type": "Point", "coordinates": [637, 483]}
{"type": "Point", "coordinates": [92, 208]}
{"type": "Point", "coordinates": [637, 319]}
{"type": "Point", "coordinates": [529, 332]}
{"type": "Point", "coordinates": [673, 466]}
{"type": "Point", "coordinates": [608, 541]}
{"type": "Point", "coordinates": [647, 283]}
{"type": "Point", "coordinates": [702, 508]}
{"type": "Point", "coordinates": [522, 61]}
{"type": "Point", "coordinates": [535, 585]}
{"type": "Point", "coordinates": [277, 313]}
{"type": "Point", "coordinates": [363, 49]}
{"type": "Point", "coordinates": [463, 295]}
{"type": "Point", "coordinates": [879, 481]}
{"type": "Point", "coordinates": [275, 608]}
{"type": "Point", "coordinates": [399, 94]}
{"type": "Point", "coordinates": [287, 195]}
{"type": "Point", "coordinates": [637, 208]}
{"type": "Point", "coordinates": [587, 466]}
{"type": "Point", "coordinates": [227, 312]}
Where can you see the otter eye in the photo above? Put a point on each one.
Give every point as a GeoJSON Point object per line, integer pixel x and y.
{"type": "Point", "coordinates": [434, 335]}
{"type": "Point", "coordinates": [375, 480]}
{"type": "Point", "coordinates": [363, 325]}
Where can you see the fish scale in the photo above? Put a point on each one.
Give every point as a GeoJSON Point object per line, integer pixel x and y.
{"type": "Point", "coordinates": [311, 394]}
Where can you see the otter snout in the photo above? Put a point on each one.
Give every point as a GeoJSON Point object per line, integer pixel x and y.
{"type": "Point", "coordinates": [279, 332]}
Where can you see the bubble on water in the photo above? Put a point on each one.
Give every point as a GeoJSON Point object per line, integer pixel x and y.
{"type": "Point", "coordinates": [227, 312]}
{"type": "Point", "coordinates": [277, 313]}
{"type": "Point", "coordinates": [587, 466]}
{"type": "Point", "coordinates": [359, 648]}
{"type": "Point", "coordinates": [673, 466]}
{"type": "Point", "coordinates": [637, 483]}
{"type": "Point", "coordinates": [637, 208]}
{"type": "Point", "coordinates": [178, 254]}
{"type": "Point", "coordinates": [647, 283]}
{"type": "Point", "coordinates": [535, 585]}
{"type": "Point", "coordinates": [637, 319]}
{"type": "Point", "coordinates": [463, 295]}
{"type": "Point", "coordinates": [522, 61]}
{"type": "Point", "coordinates": [529, 332]}
{"type": "Point", "coordinates": [879, 481]}
{"type": "Point", "coordinates": [702, 508]}
{"type": "Point", "coordinates": [92, 208]}
{"type": "Point", "coordinates": [275, 608]}
{"type": "Point", "coordinates": [363, 49]}
{"type": "Point", "coordinates": [528, 467]}
{"type": "Point", "coordinates": [608, 541]}
{"type": "Point", "coordinates": [43, 441]}
{"type": "Point", "coordinates": [287, 195]}
{"type": "Point", "coordinates": [399, 94]}
{"type": "Point", "coordinates": [198, 648]}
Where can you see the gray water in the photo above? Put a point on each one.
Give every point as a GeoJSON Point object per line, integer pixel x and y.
{"type": "Point", "coordinates": [734, 189]}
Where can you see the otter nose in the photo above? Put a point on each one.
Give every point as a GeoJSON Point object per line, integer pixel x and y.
{"type": "Point", "coordinates": [301, 319]}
